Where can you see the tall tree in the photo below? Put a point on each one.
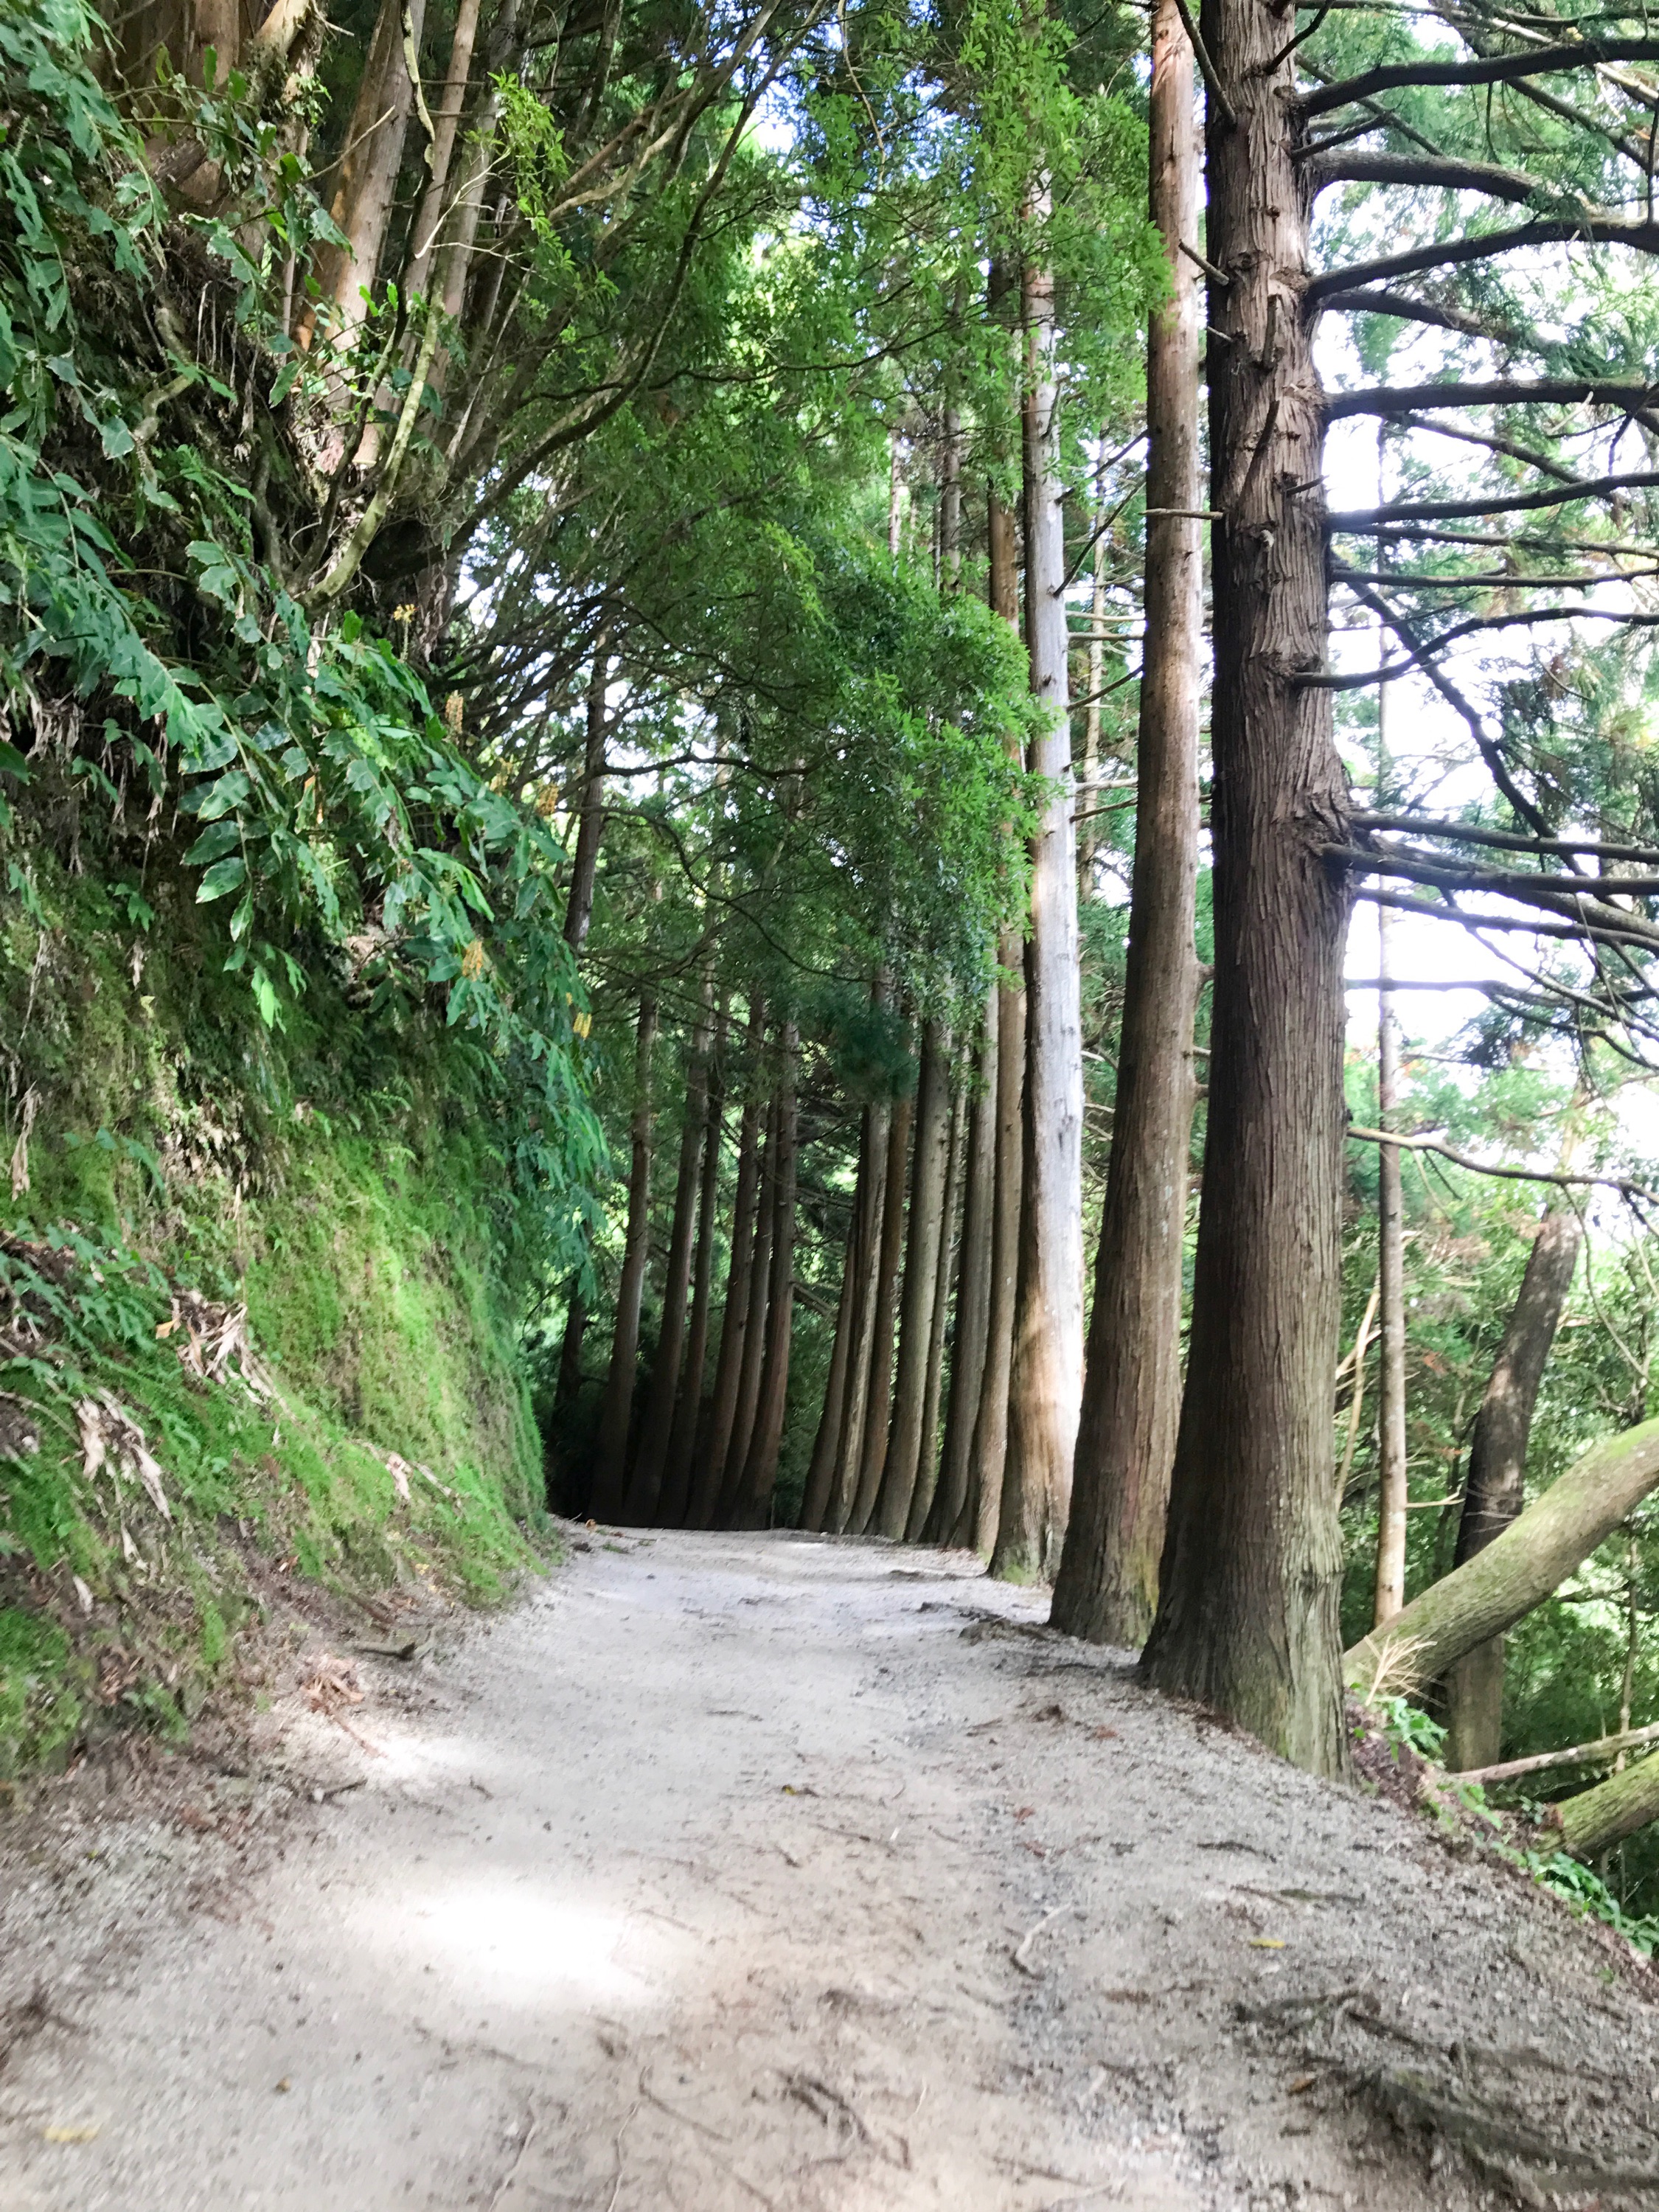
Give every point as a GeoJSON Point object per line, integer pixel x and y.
{"type": "Point", "coordinates": [757, 1478]}
{"type": "Point", "coordinates": [1392, 1458]}
{"type": "Point", "coordinates": [610, 1464]}
{"type": "Point", "coordinates": [989, 1449]}
{"type": "Point", "coordinates": [645, 1482]}
{"type": "Point", "coordinates": [1046, 1383]}
{"type": "Point", "coordinates": [926, 1224]}
{"type": "Point", "coordinates": [689, 1407]}
{"type": "Point", "coordinates": [951, 1520]}
{"type": "Point", "coordinates": [1247, 1617]}
{"type": "Point", "coordinates": [1494, 1486]}
{"type": "Point", "coordinates": [879, 1396]}
{"type": "Point", "coordinates": [1107, 1586]}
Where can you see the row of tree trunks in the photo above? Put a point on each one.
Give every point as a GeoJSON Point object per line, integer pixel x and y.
{"type": "Point", "coordinates": [688, 1404]}
{"type": "Point", "coordinates": [952, 1519]}
{"type": "Point", "coordinates": [748, 1500]}
{"type": "Point", "coordinates": [645, 1486]}
{"type": "Point", "coordinates": [921, 1501]}
{"type": "Point", "coordinates": [611, 1469]}
{"type": "Point", "coordinates": [905, 1442]}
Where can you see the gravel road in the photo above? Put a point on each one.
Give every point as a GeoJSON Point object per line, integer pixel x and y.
{"type": "Point", "coordinates": [735, 1871]}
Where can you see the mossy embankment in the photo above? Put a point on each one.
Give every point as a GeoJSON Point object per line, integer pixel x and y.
{"type": "Point", "coordinates": [276, 1263]}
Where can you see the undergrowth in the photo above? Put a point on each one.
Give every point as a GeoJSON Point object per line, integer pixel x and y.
{"type": "Point", "coordinates": [320, 1204]}
{"type": "Point", "coordinates": [1516, 1833]}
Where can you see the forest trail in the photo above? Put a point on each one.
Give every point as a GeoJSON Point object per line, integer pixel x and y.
{"type": "Point", "coordinates": [737, 1871]}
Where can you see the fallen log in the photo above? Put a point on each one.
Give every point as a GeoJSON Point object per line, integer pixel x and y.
{"type": "Point", "coordinates": [1578, 1754]}
{"type": "Point", "coordinates": [1594, 1820]}
{"type": "Point", "coordinates": [1516, 1571]}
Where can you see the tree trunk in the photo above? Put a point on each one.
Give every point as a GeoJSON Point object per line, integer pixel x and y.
{"type": "Point", "coordinates": [1046, 1388]}
{"type": "Point", "coordinates": [1595, 1820]}
{"type": "Point", "coordinates": [609, 1481]}
{"type": "Point", "coordinates": [568, 1387]}
{"type": "Point", "coordinates": [754, 1339]}
{"type": "Point", "coordinates": [872, 1202]}
{"type": "Point", "coordinates": [579, 907]}
{"type": "Point", "coordinates": [1390, 1594]}
{"type": "Point", "coordinates": [1494, 1487]}
{"type": "Point", "coordinates": [759, 1474]}
{"type": "Point", "coordinates": [1107, 1587]}
{"type": "Point", "coordinates": [989, 1451]}
{"type": "Point", "coordinates": [705, 1490]}
{"type": "Point", "coordinates": [815, 1497]}
{"type": "Point", "coordinates": [366, 178]}
{"type": "Point", "coordinates": [928, 1173]}
{"type": "Point", "coordinates": [1517, 1569]}
{"type": "Point", "coordinates": [683, 1440]}
{"type": "Point", "coordinates": [651, 1460]}
{"type": "Point", "coordinates": [872, 1453]}
{"type": "Point", "coordinates": [921, 1501]}
{"type": "Point", "coordinates": [466, 208]}
{"type": "Point", "coordinates": [1248, 1604]}
{"type": "Point", "coordinates": [952, 1519]}
{"type": "Point", "coordinates": [445, 123]}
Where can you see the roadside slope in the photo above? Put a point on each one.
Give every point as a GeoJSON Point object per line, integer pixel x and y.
{"type": "Point", "coordinates": [762, 1871]}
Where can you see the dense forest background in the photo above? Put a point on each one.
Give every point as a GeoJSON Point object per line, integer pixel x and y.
{"type": "Point", "coordinates": [592, 658]}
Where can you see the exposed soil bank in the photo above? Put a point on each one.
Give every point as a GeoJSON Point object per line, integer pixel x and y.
{"type": "Point", "coordinates": [759, 1871]}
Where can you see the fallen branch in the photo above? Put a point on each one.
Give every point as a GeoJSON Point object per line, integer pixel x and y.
{"type": "Point", "coordinates": [1578, 1754]}
{"type": "Point", "coordinates": [1516, 1571]}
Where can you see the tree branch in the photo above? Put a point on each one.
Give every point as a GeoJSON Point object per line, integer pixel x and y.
{"type": "Point", "coordinates": [1593, 226]}
{"type": "Point", "coordinates": [1560, 391]}
{"type": "Point", "coordinates": [1487, 69]}
{"type": "Point", "coordinates": [1622, 1184]}
{"type": "Point", "coordinates": [1366, 521]}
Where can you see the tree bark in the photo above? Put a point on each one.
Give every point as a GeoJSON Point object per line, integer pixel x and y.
{"type": "Point", "coordinates": [645, 1485]}
{"type": "Point", "coordinates": [365, 176]}
{"type": "Point", "coordinates": [755, 1330]}
{"type": "Point", "coordinates": [1594, 1820]}
{"type": "Point", "coordinates": [990, 1445]}
{"type": "Point", "coordinates": [928, 1173]}
{"type": "Point", "coordinates": [921, 1500]}
{"type": "Point", "coordinates": [872, 1200]}
{"type": "Point", "coordinates": [759, 1476]}
{"type": "Point", "coordinates": [872, 1451]}
{"type": "Point", "coordinates": [1516, 1570]}
{"type": "Point", "coordinates": [1107, 1587]}
{"type": "Point", "coordinates": [816, 1497]}
{"type": "Point", "coordinates": [445, 123]}
{"type": "Point", "coordinates": [590, 825]}
{"type": "Point", "coordinates": [1046, 1388]}
{"type": "Point", "coordinates": [705, 1490]}
{"type": "Point", "coordinates": [1494, 1488]}
{"type": "Point", "coordinates": [950, 1521]}
{"type": "Point", "coordinates": [1389, 1593]}
{"type": "Point", "coordinates": [609, 1481]}
{"type": "Point", "coordinates": [1247, 1606]}
{"type": "Point", "coordinates": [681, 1444]}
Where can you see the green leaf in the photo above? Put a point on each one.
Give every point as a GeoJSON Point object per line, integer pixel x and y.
{"type": "Point", "coordinates": [220, 880]}
{"type": "Point", "coordinates": [213, 843]}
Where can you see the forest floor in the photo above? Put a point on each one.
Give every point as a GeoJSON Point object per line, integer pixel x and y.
{"type": "Point", "coordinates": [737, 1871]}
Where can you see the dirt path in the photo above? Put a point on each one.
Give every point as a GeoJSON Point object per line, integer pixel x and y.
{"type": "Point", "coordinates": [754, 1871]}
